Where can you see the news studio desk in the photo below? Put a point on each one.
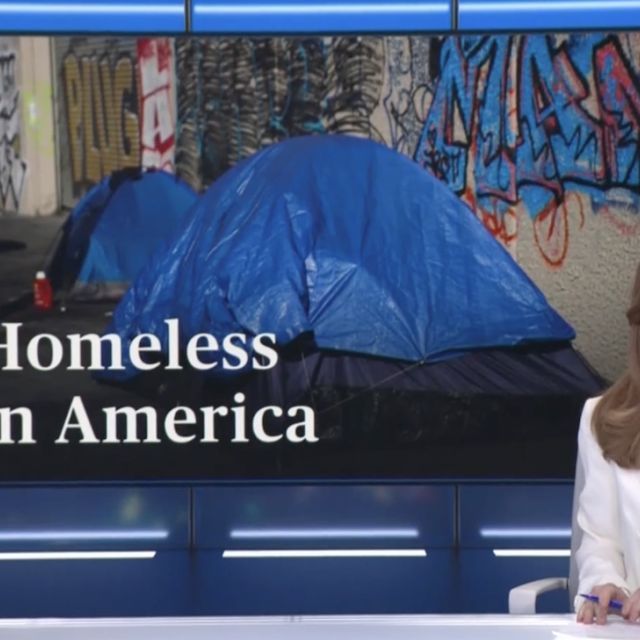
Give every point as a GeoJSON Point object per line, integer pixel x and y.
{"type": "Point", "coordinates": [395, 627]}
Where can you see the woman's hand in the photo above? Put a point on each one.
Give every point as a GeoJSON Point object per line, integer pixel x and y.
{"type": "Point", "coordinates": [590, 611]}
{"type": "Point", "coordinates": [631, 609]}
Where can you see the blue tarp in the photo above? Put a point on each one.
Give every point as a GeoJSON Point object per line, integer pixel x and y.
{"type": "Point", "coordinates": [115, 229]}
{"type": "Point", "coordinates": [348, 240]}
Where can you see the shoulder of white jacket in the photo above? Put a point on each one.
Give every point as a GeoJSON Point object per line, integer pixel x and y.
{"type": "Point", "coordinates": [591, 403]}
{"type": "Point", "coordinates": [587, 413]}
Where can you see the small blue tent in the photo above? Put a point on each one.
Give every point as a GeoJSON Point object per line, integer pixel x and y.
{"type": "Point", "coordinates": [116, 227]}
{"type": "Point", "coordinates": [348, 241]}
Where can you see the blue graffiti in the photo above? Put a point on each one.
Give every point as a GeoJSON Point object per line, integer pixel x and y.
{"type": "Point", "coordinates": [516, 108]}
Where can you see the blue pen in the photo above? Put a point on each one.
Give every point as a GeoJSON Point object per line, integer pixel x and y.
{"type": "Point", "coordinates": [613, 604]}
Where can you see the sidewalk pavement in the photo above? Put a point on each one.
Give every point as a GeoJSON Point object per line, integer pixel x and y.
{"type": "Point", "coordinates": [25, 243]}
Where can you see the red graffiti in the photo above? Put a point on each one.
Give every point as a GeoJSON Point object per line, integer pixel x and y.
{"type": "Point", "coordinates": [157, 131]}
{"type": "Point", "coordinates": [551, 228]}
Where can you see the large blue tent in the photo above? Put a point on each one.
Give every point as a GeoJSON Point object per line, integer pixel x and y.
{"type": "Point", "coordinates": [345, 240]}
{"type": "Point", "coordinates": [117, 226]}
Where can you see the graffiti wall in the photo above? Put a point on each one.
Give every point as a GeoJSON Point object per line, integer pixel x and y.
{"type": "Point", "coordinates": [157, 123]}
{"type": "Point", "coordinates": [237, 95]}
{"type": "Point", "coordinates": [539, 134]}
{"type": "Point", "coordinates": [115, 108]}
{"type": "Point", "coordinates": [548, 124]}
{"type": "Point", "coordinates": [13, 167]}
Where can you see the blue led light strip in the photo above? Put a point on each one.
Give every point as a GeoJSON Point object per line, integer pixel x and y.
{"type": "Point", "coordinates": [301, 534]}
{"type": "Point", "coordinates": [548, 5]}
{"type": "Point", "coordinates": [22, 8]}
{"type": "Point", "coordinates": [333, 16]}
{"type": "Point", "coordinates": [324, 553]}
{"type": "Point", "coordinates": [491, 15]}
{"type": "Point", "coordinates": [50, 535]}
{"type": "Point", "coordinates": [319, 9]}
{"type": "Point", "coordinates": [110, 16]}
{"type": "Point", "coordinates": [77, 555]}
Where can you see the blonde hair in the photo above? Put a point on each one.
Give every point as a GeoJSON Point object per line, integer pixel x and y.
{"type": "Point", "coordinates": [616, 417]}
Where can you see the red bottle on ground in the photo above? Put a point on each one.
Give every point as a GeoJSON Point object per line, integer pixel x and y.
{"type": "Point", "coordinates": [42, 292]}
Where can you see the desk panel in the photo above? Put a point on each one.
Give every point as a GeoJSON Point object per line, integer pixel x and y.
{"type": "Point", "coordinates": [485, 581]}
{"type": "Point", "coordinates": [297, 586]}
{"type": "Point", "coordinates": [71, 588]}
{"type": "Point", "coordinates": [96, 518]}
{"type": "Point", "coordinates": [300, 516]}
{"type": "Point", "coordinates": [287, 628]}
{"type": "Point", "coordinates": [516, 516]}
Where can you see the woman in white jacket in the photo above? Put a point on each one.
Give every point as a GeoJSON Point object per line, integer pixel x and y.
{"type": "Point", "coordinates": [608, 558]}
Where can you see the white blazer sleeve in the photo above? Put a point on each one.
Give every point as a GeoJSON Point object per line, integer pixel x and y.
{"type": "Point", "coordinates": [599, 557]}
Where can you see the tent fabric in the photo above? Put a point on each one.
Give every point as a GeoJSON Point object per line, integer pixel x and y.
{"type": "Point", "coordinates": [537, 370]}
{"type": "Point", "coordinates": [346, 240]}
{"type": "Point", "coordinates": [531, 373]}
{"type": "Point", "coordinates": [486, 395]}
{"type": "Point", "coordinates": [115, 229]}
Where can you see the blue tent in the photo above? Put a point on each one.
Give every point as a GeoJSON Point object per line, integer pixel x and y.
{"type": "Point", "coordinates": [345, 240]}
{"type": "Point", "coordinates": [116, 227]}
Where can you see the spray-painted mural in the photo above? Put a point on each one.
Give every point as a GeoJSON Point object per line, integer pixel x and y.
{"type": "Point", "coordinates": [540, 125]}
{"type": "Point", "coordinates": [237, 95]}
{"type": "Point", "coordinates": [100, 93]}
{"type": "Point", "coordinates": [117, 107]}
{"type": "Point", "coordinates": [158, 118]}
{"type": "Point", "coordinates": [546, 125]}
{"type": "Point", "coordinates": [13, 167]}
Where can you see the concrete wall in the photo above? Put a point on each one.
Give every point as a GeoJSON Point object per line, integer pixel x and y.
{"type": "Point", "coordinates": [27, 153]}
{"type": "Point", "coordinates": [540, 135]}
{"type": "Point", "coordinates": [40, 195]}
{"type": "Point", "coordinates": [591, 289]}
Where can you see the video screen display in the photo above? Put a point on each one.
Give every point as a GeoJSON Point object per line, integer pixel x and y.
{"type": "Point", "coordinates": [310, 256]}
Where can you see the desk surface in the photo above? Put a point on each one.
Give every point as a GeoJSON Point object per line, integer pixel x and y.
{"type": "Point", "coordinates": [418, 627]}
